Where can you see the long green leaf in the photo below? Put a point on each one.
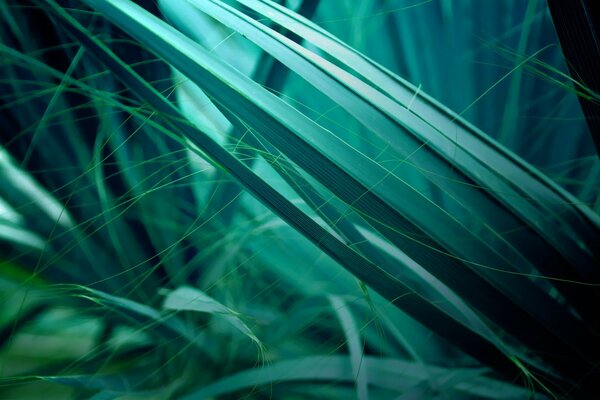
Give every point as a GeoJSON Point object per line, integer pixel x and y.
{"type": "Point", "coordinates": [389, 286]}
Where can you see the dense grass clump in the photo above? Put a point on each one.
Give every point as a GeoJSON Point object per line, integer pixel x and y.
{"type": "Point", "coordinates": [294, 199]}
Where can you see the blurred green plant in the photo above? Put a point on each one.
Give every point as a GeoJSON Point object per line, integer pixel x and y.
{"type": "Point", "coordinates": [225, 199]}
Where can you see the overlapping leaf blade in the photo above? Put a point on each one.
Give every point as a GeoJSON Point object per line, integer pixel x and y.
{"type": "Point", "coordinates": [481, 236]}
{"type": "Point", "coordinates": [385, 283]}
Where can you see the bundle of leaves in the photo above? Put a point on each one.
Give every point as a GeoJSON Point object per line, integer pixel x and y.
{"type": "Point", "coordinates": [259, 199]}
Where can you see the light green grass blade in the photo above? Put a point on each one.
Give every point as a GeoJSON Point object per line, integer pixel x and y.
{"type": "Point", "coordinates": [386, 373]}
{"type": "Point", "coordinates": [191, 299]}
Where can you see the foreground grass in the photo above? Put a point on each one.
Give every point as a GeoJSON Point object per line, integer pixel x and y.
{"type": "Point", "coordinates": [204, 199]}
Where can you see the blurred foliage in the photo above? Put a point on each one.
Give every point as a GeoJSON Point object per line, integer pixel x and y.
{"type": "Point", "coordinates": [223, 199]}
